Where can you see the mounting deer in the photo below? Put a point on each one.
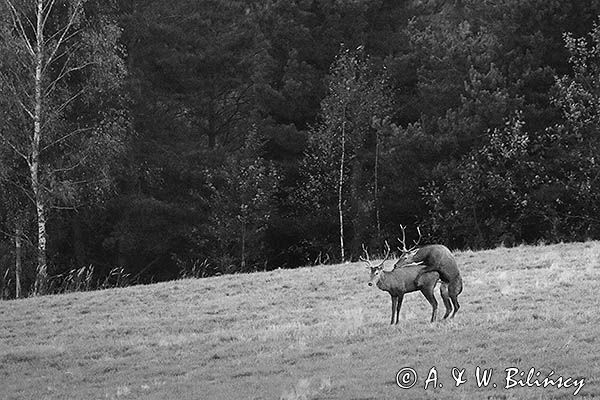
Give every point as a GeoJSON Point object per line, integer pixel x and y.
{"type": "Point", "coordinates": [433, 258]}
{"type": "Point", "coordinates": [406, 279]}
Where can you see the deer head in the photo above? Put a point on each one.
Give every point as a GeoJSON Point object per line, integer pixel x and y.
{"type": "Point", "coordinates": [407, 254]}
{"type": "Point", "coordinates": [376, 270]}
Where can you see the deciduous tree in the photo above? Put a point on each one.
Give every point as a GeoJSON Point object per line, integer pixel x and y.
{"type": "Point", "coordinates": [60, 58]}
{"type": "Point", "coordinates": [344, 144]}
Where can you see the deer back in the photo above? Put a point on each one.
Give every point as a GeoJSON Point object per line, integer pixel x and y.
{"type": "Point", "coordinates": [439, 257]}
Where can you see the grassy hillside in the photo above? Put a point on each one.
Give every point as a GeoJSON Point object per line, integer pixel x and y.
{"type": "Point", "coordinates": [311, 333]}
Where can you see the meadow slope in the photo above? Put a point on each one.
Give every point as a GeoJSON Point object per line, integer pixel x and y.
{"type": "Point", "coordinates": [312, 333]}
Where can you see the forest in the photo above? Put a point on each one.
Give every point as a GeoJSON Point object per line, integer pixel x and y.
{"type": "Point", "coordinates": [144, 141]}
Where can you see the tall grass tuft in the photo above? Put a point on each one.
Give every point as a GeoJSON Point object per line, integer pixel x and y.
{"type": "Point", "coordinates": [117, 277]}
{"type": "Point", "coordinates": [82, 280]}
{"type": "Point", "coordinates": [6, 285]}
{"type": "Point", "coordinates": [75, 280]}
{"type": "Point", "coordinates": [193, 268]}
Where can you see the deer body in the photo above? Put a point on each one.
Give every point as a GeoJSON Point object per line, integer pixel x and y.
{"type": "Point", "coordinates": [408, 279]}
{"type": "Point", "coordinates": [437, 258]}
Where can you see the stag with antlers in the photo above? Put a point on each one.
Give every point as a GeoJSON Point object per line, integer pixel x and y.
{"type": "Point", "coordinates": [400, 281]}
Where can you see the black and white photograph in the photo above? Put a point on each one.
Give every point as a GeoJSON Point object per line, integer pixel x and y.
{"type": "Point", "coordinates": [299, 199]}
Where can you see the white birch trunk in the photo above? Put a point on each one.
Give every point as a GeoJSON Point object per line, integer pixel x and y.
{"type": "Point", "coordinates": [341, 185]}
{"type": "Point", "coordinates": [34, 162]}
{"type": "Point", "coordinates": [18, 258]}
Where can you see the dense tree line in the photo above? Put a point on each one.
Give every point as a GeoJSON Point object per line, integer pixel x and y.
{"type": "Point", "coordinates": [148, 140]}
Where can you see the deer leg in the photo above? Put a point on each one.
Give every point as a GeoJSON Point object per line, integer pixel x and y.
{"type": "Point", "coordinates": [394, 307]}
{"type": "Point", "coordinates": [454, 289]}
{"type": "Point", "coordinates": [428, 293]}
{"type": "Point", "coordinates": [446, 299]}
{"type": "Point", "coordinates": [400, 298]}
{"type": "Point", "coordinates": [456, 306]}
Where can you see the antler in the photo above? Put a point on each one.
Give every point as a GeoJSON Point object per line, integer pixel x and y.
{"type": "Point", "coordinates": [402, 241]}
{"type": "Point", "coordinates": [387, 252]}
{"type": "Point", "coordinates": [416, 242]}
{"type": "Point", "coordinates": [367, 259]}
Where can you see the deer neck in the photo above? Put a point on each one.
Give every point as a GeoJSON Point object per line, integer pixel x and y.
{"type": "Point", "coordinates": [382, 282]}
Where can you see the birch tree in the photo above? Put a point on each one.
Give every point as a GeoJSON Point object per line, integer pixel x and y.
{"type": "Point", "coordinates": [343, 149]}
{"type": "Point", "coordinates": [59, 61]}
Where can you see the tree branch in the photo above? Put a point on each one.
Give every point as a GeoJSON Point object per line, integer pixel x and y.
{"type": "Point", "coordinates": [15, 149]}
{"type": "Point", "coordinates": [63, 72]}
{"type": "Point", "coordinates": [18, 24]}
{"type": "Point", "coordinates": [70, 168]}
{"type": "Point", "coordinates": [65, 137]}
{"type": "Point", "coordinates": [64, 105]}
{"type": "Point", "coordinates": [47, 11]}
{"type": "Point", "coordinates": [21, 188]}
{"type": "Point", "coordinates": [27, 110]}
{"type": "Point", "coordinates": [15, 93]}
{"type": "Point", "coordinates": [63, 35]}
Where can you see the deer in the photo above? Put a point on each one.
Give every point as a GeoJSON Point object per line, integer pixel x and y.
{"type": "Point", "coordinates": [406, 279]}
{"type": "Point", "coordinates": [433, 258]}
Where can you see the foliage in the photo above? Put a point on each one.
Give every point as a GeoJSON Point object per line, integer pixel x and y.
{"type": "Point", "coordinates": [62, 84]}
{"type": "Point", "coordinates": [484, 204]}
{"type": "Point", "coordinates": [243, 194]}
{"type": "Point", "coordinates": [522, 187]}
{"type": "Point", "coordinates": [85, 118]}
{"type": "Point", "coordinates": [572, 172]}
{"type": "Point", "coordinates": [339, 161]}
{"type": "Point", "coordinates": [195, 138]}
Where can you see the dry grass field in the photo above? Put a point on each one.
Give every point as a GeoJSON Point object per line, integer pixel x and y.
{"type": "Point", "coordinates": [314, 333]}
